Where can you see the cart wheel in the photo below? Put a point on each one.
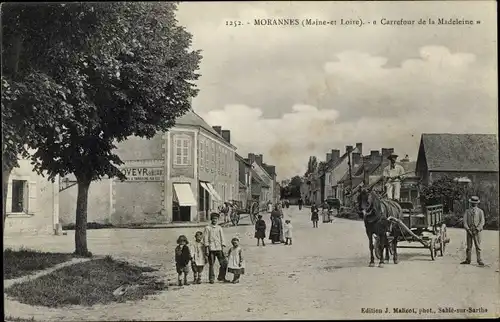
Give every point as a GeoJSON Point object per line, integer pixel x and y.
{"type": "Point", "coordinates": [432, 248]}
{"type": "Point", "coordinates": [376, 245]}
{"type": "Point", "coordinates": [443, 236]}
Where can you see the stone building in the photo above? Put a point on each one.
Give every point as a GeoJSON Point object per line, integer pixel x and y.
{"type": "Point", "coordinates": [32, 202]}
{"type": "Point", "coordinates": [177, 176]}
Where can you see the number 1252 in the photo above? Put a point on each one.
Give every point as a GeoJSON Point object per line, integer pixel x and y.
{"type": "Point", "coordinates": [234, 23]}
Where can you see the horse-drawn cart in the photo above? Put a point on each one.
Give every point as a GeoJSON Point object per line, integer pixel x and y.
{"type": "Point", "coordinates": [426, 228]}
{"type": "Point", "coordinates": [233, 209]}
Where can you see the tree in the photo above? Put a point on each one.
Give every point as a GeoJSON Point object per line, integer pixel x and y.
{"type": "Point", "coordinates": [312, 164]}
{"type": "Point", "coordinates": [442, 191]}
{"type": "Point", "coordinates": [129, 72]}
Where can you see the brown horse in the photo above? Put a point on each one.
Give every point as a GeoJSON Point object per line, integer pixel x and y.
{"type": "Point", "coordinates": [375, 212]}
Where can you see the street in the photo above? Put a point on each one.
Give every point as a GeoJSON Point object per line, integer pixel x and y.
{"type": "Point", "coordinates": [323, 275]}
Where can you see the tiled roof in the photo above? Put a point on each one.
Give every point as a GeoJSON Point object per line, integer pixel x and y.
{"type": "Point", "coordinates": [460, 152]}
{"type": "Point", "coordinates": [193, 119]}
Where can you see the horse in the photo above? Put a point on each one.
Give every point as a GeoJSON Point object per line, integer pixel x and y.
{"type": "Point", "coordinates": [375, 212]}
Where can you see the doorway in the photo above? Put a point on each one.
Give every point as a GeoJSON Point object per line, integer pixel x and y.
{"type": "Point", "coordinates": [181, 213]}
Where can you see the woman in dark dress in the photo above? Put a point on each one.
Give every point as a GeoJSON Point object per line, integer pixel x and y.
{"type": "Point", "coordinates": [260, 230]}
{"type": "Point", "coordinates": [276, 232]}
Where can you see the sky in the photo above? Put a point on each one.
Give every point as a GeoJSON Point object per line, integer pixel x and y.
{"type": "Point", "coordinates": [289, 92]}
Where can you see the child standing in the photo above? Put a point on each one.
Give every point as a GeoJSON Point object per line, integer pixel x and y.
{"type": "Point", "coordinates": [288, 232]}
{"type": "Point", "coordinates": [235, 259]}
{"type": "Point", "coordinates": [199, 258]}
{"type": "Point", "coordinates": [182, 258]}
{"type": "Point", "coordinates": [314, 215]}
{"type": "Point", "coordinates": [260, 230]}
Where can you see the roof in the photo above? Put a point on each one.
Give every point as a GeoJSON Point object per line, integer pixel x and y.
{"type": "Point", "coordinates": [270, 169]}
{"type": "Point", "coordinates": [193, 119]}
{"type": "Point", "coordinates": [240, 158]}
{"type": "Point", "coordinates": [257, 178]}
{"type": "Point", "coordinates": [331, 164]}
{"type": "Point", "coordinates": [409, 166]}
{"type": "Point", "coordinates": [460, 152]}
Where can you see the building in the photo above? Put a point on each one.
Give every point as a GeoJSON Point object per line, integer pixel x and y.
{"type": "Point", "coordinates": [244, 180]}
{"type": "Point", "coordinates": [471, 156]}
{"type": "Point", "coordinates": [264, 183]}
{"type": "Point", "coordinates": [32, 202]}
{"type": "Point", "coordinates": [336, 172]}
{"type": "Point", "coordinates": [177, 176]}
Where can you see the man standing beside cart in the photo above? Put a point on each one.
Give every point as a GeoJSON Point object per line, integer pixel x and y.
{"type": "Point", "coordinates": [473, 224]}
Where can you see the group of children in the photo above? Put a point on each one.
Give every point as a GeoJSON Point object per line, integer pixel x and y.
{"type": "Point", "coordinates": [199, 253]}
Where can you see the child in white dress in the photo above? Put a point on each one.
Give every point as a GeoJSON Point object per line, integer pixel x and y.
{"type": "Point", "coordinates": [236, 265]}
{"type": "Point", "coordinates": [199, 257]}
{"type": "Point", "coordinates": [288, 232]}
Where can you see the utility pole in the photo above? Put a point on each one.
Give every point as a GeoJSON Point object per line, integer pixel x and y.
{"type": "Point", "coordinates": [350, 168]}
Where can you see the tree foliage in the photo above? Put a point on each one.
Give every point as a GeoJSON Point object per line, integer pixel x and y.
{"type": "Point", "coordinates": [96, 74]}
{"type": "Point", "coordinates": [443, 191]}
{"type": "Point", "coordinates": [312, 165]}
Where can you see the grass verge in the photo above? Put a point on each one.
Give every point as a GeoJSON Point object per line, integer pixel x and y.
{"type": "Point", "coordinates": [87, 284]}
{"type": "Point", "coordinates": [22, 262]}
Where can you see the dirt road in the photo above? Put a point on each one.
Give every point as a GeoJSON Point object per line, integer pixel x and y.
{"type": "Point", "coordinates": [323, 275]}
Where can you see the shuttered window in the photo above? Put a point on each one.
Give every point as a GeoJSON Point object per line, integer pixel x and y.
{"type": "Point", "coordinates": [182, 150]}
{"type": "Point", "coordinates": [21, 197]}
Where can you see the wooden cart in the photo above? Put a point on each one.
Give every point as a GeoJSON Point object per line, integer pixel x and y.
{"type": "Point", "coordinates": [233, 211]}
{"type": "Point", "coordinates": [426, 228]}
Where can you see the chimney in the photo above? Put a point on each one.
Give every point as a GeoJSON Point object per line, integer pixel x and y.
{"type": "Point", "coordinates": [251, 157]}
{"type": "Point", "coordinates": [386, 152]}
{"type": "Point", "coordinates": [335, 155]}
{"type": "Point", "coordinates": [348, 148]}
{"type": "Point", "coordinates": [217, 129]}
{"type": "Point", "coordinates": [258, 159]}
{"type": "Point", "coordinates": [359, 147]}
{"type": "Point", "coordinates": [328, 157]}
{"type": "Point", "coordinates": [356, 158]}
{"type": "Point", "coordinates": [374, 156]}
{"type": "Point", "coordinates": [226, 134]}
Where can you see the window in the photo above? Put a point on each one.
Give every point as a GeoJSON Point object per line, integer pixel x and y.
{"type": "Point", "coordinates": [182, 150]}
{"type": "Point", "coordinates": [201, 155]}
{"type": "Point", "coordinates": [207, 160]}
{"type": "Point", "coordinates": [213, 156]}
{"type": "Point", "coordinates": [223, 166]}
{"type": "Point", "coordinates": [19, 196]}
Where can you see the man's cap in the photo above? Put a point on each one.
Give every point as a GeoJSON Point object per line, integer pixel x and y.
{"type": "Point", "coordinates": [214, 215]}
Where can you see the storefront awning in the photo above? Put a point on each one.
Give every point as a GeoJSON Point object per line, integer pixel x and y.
{"type": "Point", "coordinates": [213, 192]}
{"type": "Point", "coordinates": [184, 194]}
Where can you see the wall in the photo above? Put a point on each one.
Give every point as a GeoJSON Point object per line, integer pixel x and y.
{"type": "Point", "coordinates": [98, 207]}
{"type": "Point", "coordinates": [43, 208]}
{"type": "Point", "coordinates": [138, 202]}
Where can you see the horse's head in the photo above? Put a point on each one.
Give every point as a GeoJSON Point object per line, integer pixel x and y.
{"type": "Point", "coordinates": [365, 203]}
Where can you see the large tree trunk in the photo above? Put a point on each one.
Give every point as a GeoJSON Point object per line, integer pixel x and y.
{"type": "Point", "coordinates": [5, 185]}
{"type": "Point", "coordinates": [81, 219]}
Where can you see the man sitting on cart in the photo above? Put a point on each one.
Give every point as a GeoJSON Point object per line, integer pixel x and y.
{"type": "Point", "coordinates": [393, 174]}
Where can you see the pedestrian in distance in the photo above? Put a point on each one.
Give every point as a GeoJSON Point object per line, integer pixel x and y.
{"type": "Point", "coordinates": [213, 238]}
{"type": "Point", "coordinates": [182, 258]}
{"type": "Point", "coordinates": [236, 264]}
{"type": "Point", "coordinates": [300, 202]}
{"type": "Point", "coordinates": [473, 224]}
{"type": "Point", "coordinates": [199, 257]}
{"type": "Point", "coordinates": [260, 230]}
{"type": "Point", "coordinates": [288, 232]}
{"type": "Point", "coordinates": [314, 215]}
